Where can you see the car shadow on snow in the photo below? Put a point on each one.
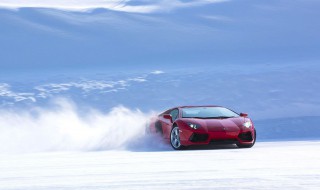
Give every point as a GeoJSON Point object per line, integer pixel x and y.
{"type": "Point", "coordinates": [212, 147]}
{"type": "Point", "coordinates": [155, 143]}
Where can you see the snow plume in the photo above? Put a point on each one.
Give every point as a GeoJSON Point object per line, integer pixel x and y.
{"type": "Point", "coordinates": [63, 128]}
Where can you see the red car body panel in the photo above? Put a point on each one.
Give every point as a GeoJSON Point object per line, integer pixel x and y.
{"type": "Point", "coordinates": [218, 130]}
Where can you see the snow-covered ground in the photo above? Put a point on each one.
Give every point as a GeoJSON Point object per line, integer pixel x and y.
{"type": "Point", "coordinates": [268, 165]}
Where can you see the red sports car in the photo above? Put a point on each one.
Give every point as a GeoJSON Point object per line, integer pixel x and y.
{"type": "Point", "coordinates": [199, 125]}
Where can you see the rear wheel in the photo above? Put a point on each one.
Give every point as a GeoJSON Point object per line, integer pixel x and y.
{"type": "Point", "coordinates": [248, 145]}
{"type": "Point", "coordinates": [175, 139]}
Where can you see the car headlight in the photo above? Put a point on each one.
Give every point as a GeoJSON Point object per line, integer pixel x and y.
{"type": "Point", "coordinates": [247, 124]}
{"type": "Point", "coordinates": [194, 126]}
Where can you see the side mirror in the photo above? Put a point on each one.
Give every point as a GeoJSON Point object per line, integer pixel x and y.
{"type": "Point", "coordinates": [167, 116]}
{"type": "Point", "coordinates": [243, 114]}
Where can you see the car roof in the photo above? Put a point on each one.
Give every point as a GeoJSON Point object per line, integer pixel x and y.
{"type": "Point", "coordinates": [195, 106]}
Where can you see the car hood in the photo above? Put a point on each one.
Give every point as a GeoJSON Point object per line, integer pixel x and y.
{"type": "Point", "coordinates": [211, 125]}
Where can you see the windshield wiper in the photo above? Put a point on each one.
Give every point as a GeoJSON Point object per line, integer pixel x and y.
{"type": "Point", "coordinates": [216, 117]}
{"type": "Point", "coordinates": [224, 116]}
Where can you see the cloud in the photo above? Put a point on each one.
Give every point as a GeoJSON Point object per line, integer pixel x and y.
{"type": "Point", "coordinates": [48, 90]}
{"type": "Point", "coordinates": [217, 18]}
{"type": "Point", "coordinates": [157, 72]}
{"type": "Point", "coordinates": [86, 86]}
{"type": "Point", "coordinates": [81, 86]}
{"type": "Point", "coordinates": [133, 6]}
{"type": "Point", "coordinates": [17, 97]}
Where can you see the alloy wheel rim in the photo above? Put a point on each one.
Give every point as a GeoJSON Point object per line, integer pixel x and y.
{"type": "Point", "coordinates": [175, 139]}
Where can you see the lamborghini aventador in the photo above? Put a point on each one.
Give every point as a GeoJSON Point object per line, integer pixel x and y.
{"type": "Point", "coordinates": [200, 125]}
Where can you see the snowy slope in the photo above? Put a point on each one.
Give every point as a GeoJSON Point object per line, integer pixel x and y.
{"type": "Point", "coordinates": [273, 165]}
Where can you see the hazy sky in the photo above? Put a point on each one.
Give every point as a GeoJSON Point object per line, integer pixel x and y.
{"type": "Point", "coordinates": [61, 35]}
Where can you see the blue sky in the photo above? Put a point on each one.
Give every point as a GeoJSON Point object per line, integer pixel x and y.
{"type": "Point", "coordinates": [56, 36]}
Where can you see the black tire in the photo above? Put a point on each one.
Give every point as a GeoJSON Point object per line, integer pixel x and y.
{"type": "Point", "coordinates": [248, 145]}
{"type": "Point", "coordinates": [175, 139]}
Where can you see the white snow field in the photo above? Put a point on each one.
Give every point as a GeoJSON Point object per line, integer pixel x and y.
{"type": "Point", "coordinates": [268, 165]}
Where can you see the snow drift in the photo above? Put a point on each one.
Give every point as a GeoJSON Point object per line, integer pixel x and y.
{"type": "Point", "coordinates": [64, 127]}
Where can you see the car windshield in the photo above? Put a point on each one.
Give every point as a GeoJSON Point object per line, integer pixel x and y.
{"type": "Point", "coordinates": [208, 112]}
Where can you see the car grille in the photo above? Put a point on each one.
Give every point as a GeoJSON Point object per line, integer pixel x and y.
{"type": "Point", "coordinates": [198, 137]}
{"type": "Point", "coordinates": [246, 136]}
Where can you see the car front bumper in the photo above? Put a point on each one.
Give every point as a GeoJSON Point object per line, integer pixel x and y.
{"type": "Point", "coordinates": [191, 137]}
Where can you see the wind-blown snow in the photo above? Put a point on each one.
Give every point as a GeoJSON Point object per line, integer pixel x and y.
{"type": "Point", "coordinates": [63, 127]}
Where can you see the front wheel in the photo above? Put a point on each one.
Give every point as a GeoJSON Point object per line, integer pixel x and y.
{"type": "Point", "coordinates": [248, 145]}
{"type": "Point", "coordinates": [175, 139]}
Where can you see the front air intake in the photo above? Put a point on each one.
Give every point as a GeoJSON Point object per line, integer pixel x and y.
{"type": "Point", "coordinates": [195, 137]}
{"type": "Point", "coordinates": [246, 136]}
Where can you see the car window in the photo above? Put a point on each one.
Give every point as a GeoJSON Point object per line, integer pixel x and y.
{"type": "Point", "coordinates": [174, 114]}
{"type": "Point", "coordinates": [207, 112]}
